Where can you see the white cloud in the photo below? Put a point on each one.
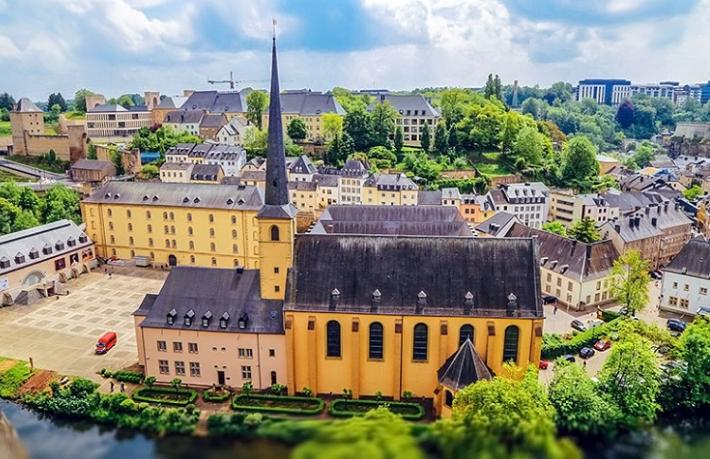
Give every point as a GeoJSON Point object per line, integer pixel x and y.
{"type": "Point", "coordinates": [8, 49]}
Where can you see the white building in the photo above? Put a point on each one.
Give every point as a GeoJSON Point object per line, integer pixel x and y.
{"type": "Point", "coordinates": [353, 176]}
{"type": "Point", "coordinates": [230, 157]}
{"type": "Point", "coordinates": [527, 201]}
{"type": "Point", "coordinates": [184, 121]}
{"type": "Point", "coordinates": [233, 132]}
{"type": "Point", "coordinates": [686, 280]}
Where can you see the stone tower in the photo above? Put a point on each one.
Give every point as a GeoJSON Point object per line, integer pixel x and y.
{"type": "Point", "coordinates": [26, 119]}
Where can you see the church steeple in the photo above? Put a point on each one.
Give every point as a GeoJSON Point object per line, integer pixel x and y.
{"type": "Point", "coordinates": [276, 181]}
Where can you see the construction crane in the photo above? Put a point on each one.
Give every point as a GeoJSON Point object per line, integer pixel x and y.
{"type": "Point", "coordinates": [232, 82]}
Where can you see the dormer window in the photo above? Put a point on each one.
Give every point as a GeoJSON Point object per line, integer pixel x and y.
{"type": "Point", "coordinates": [206, 319]}
{"type": "Point", "coordinates": [171, 316]}
{"type": "Point", "coordinates": [19, 258]}
{"type": "Point", "coordinates": [34, 254]}
{"type": "Point", "coordinates": [4, 263]}
{"type": "Point", "coordinates": [59, 245]}
{"type": "Point", "coordinates": [71, 242]}
{"type": "Point", "coordinates": [83, 238]}
{"type": "Point", "coordinates": [224, 320]}
{"type": "Point", "coordinates": [189, 317]}
{"type": "Point", "coordinates": [243, 321]}
{"type": "Point", "coordinates": [47, 249]}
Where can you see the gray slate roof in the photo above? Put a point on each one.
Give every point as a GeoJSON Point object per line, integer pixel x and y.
{"type": "Point", "coordinates": [302, 165]}
{"type": "Point", "coordinates": [647, 222]}
{"type": "Point", "coordinates": [429, 198]}
{"type": "Point", "coordinates": [217, 291]}
{"type": "Point", "coordinates": [389, 274]}
{"type": "Point", "coordinates": [463, 368]}
{"type": "Point", "coordinates": [109, 108]}
{"type": "Point", "coordinates": [402, 103]}
{"type": "Point", "coordinates": [497, 224]}
{"type": "Point", "coordinates": [91, 164]}
{"type": "Point", "coordinates": [172, 102]}
{"type": "Point", "coordinates": [309, 103]}
{"type": "Point", "coordinates": [396, 181]}
{"type": "Point", "coordinates": [217, 102]}
{"type": "Point", "coordinates": [25, 105]}
{"type": "Point", "coordinates": [568, 257]}
{"type": "Point", "coordinates": [216, 120]}
{"type": "Point", "coordinates": [693, 259]}
{"type": "Point", "coordinates": [30, 246]}
{"type": "Point", "coordinates": [205, 172]}
{"type": "Point", "coordinates": [354, 168]}
{"type": "Point", "coordinates": [184, 116]}
{"type": "Point", "coordinates": [205, 196]}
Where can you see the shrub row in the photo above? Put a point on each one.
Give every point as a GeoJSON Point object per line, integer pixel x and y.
{"type": "Point", "coordinates": [553, 348]}
{"type": "Point", "coordinates": [183, 397]}
{"type": "Point", "coordinates": [123, 376]}
{"type": "Point", "coordinates": [214, 396]}
{"type": "Point", "coordinates": [348, 408]}
{"type": "Point", "coordinates": [608, 316]}
{"type": "Point", "coordinates": [278, 404]}
{"type": "Point", "coordinates": [249, 426]}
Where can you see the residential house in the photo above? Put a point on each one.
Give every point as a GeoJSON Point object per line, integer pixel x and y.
{"type": "Point", "coordinates": [607, 163]}
{"type": "Point", "coordinates": [476, 208]}
{"type": "Point", "coordinates": [92, 171]}
{"type": "Point", "coordinates": [527, 201]}
{"type": "Point", "coordinates": [231, 158]}
{"type": "Point", "coordinates": [415, 113]}
{"type": "Point", "coordinates": [232, 133]}
{"type": "Point", "coordinates": [497, 225]}
{"type": "Point", "coordinates": [231, 103]}
{"type": "Point", "coordinates": [353, 176]}
{"type": "Point", "coordinates": [567, 207]}
{"type": "Point", "coordinates": [166, 105]}
{"type": "Point", "coordinates": [113, 123]}
{"type": "Point", "coordinates": [206, 173]}
{"type": "Point", "coordinates": [309, 106]}
{"type": "Point", "coordinates": [211, 125]}
{"type": "Point", "coordinates": [176, 172]}
{"type": "Point", "coordinates": [187, 121]}
{"type": "Point", "coordinates": [389, 189]}
{"type": "Point", "coordinates": [686, 279]}
{"type": "Point", "coordinates": [301, 170]}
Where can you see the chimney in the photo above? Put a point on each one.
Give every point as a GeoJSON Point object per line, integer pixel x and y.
{"type": "Point", "coordinates": [647, 210]}
{"type": "Point", "coordinates": [421, 301]}
{"type": "Point", "coordinates": [512, 305]}
{"type": "Point", "coordinates": [468, 303]}
{"type": "Point", "coordinates": [654, 221]}
{"type": "Point", "coordinates": [376, 298]}
{"type": "Point", "coordinates": [334, 297]}
{"type": "Point", "coordinates": [617, 228]}
{"type": "Point", "coordinates": [637, 221]}
{"type": "Point", "coordinates": [631, 222]}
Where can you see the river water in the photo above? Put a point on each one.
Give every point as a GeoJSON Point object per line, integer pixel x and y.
{"type": "Point", "coordinates": [51, 438]}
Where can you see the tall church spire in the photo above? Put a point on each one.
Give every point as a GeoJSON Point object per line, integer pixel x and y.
{"type": "Point", "coordinates": [276, 181]}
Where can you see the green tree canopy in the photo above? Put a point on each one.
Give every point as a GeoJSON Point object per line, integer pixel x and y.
{"type": "Point", "coordinates": [359, 127]}
{"type": "Point", "coordinates": [425, 139]}
{"type": "Point", "coordinates": [579, 161]}
{"type": "Point", "coordinates": [398, 142]}
{"type": "Point", "coordinates": [60, 203]}
{"type": "Point", "coordinates": [80, 99]}
{"type": "Point", "coordinates": [441, 139]}
{"type": "Point", "coordinates": [383, 118]}
{"type": "Point", "coordinates": [297, 129]}
{"type": "Point", "coordinates": [584, 230]}
{"type": "Point", "coordinates": [630, 280]}
{"type": "Point", "coordinates": [57, 99]}
{"type": "Point", "coordinates": [332, 125]}
{"type": "Point", "coordinates": [555, 227]}
{"type": "Point", "coordinates": [381, 157]}
{"type": "Point", "coordinates": [257, 101]}
{"type": "Point", "coordinates": [695, 350]}
{"type": "Point", "coordinates": [693, 193]}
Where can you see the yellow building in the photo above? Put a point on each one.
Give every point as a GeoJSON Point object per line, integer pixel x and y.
{"type": "Point", "coordinates": [309, 106]}
{"type": "Point", "coordinates": [383, 314]}
{"type": "Point", "coordinates": [389, 190]}
{"type": "Point", "coordinates": [175, 223]}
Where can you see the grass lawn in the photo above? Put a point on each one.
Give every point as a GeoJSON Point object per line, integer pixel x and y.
{"type": "Point", "coordinates": [6, 176]}
{"type": "Point", "coordinates": [51, 129]}
{"type": "Point", "coordinates": [490, 164]}
{"type": "Point", "coordinates": [12, 377]}
{"type": "Point", "coordinates": [5, 128]}
{"type": "Point", "coordinates": [57, 166]}
{"type": "Point", "coordinates": [75, 115]}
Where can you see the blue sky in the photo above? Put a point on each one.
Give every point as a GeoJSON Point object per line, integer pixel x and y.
{"type": "Point", "coordinates": [119, 46]}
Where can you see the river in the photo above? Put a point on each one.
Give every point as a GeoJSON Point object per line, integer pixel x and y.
{"type": "Point", "coordinates": [51, 438]}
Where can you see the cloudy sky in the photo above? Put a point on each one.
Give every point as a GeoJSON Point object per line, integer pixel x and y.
{"type": "Point", "coordinates": [125, 46]}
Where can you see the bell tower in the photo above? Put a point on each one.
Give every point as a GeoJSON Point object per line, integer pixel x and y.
{"type": "Point", "coordinates": [277, 218]}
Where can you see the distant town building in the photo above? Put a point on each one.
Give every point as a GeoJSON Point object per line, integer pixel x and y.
{"type": "Point", "coordinates": [389, 190]}
{"type": "Point", "coordinates": [166, 105]}
{"type": "Point", "coordinates": [232, 133]}
{"type": "Point", "coordinates": [230, 158]}
{"type": "Point", "coordinates": [527, 201]}
{"type": "Point", "coordinates": [309, 106]}
{"type": "Point", "coordinates": [614, 91]}
{"type": "Point", "coordinates": [686, 282]}
{"type": "Point", "coordinates": [211, 124]}
{"type": "Point", "coordinates": [92, 171]}
{"type": "Point", "coordinates": [415, 113]}
{"type": "Point", "coordinates": [567, 207]}
{"type": "Point", "coordinates": [353, 176]}
{"type": "Point", "coordinates": [176, 172]}
{"type": "Point", "coordinates": [187, 121]}
{"type": "Point", "coordinates": [476, 208]}
{"type": "Point", "coordinates": [112, 122]}
{"type": "Point", "coordinates": [602, 90]}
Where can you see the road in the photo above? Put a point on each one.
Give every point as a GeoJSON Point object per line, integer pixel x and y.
{"type": "Point", "coordinates": [31, 171]}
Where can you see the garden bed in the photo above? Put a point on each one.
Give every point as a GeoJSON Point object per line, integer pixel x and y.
{"type": "Point", "coordinates": [165, 396]}
{"type": "Point", "coordinates": [278, 404]}
{"type": "Point", "coordinates": [215, 396]}
{"type": "Point", "coordinates": [347, 408]}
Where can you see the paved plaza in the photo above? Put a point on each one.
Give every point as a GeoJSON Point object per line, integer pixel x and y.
{"type": "Point", "coordinates": [60, 333]}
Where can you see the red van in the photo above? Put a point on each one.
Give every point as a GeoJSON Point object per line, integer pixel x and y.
{"type": "Point", "coordinates": [106, 342]}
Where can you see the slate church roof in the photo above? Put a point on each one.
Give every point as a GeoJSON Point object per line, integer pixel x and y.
{"type": "Point", "coordinates": [456, 276]}
{"type": "Point", "coordinates": [463, 368]}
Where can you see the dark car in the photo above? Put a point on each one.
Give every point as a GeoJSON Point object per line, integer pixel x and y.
{"type": "Point", "coordinates": [548, 299]}
{"type": "Point", "coordinates": [578, 325]}
{"type": "Point", "coordinates": [569, 358]}
{"type": "Point", "coordinates": [656, 275]}
{"type": "Point", "coordinates": [675, 325]}
{"type": "Point", "coordinates": [586, 352]}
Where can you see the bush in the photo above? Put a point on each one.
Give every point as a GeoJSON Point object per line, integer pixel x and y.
{"type": "Point", "coordinates": [247, 426]}
{"type": "Point", "coordinates": [278, 404]}
{"type": "Point", "coordinates": [128, 376]}
{"type": "Point", "coordinates": [608, 316]}
{"type": "Point", "coordinates": [213, 396]}
{"type": "Point", "coordinates": [554, 346]}
{"type": "Point", "coordinates": [348, 408]}
{"type": "Point", "coordinates": [165, 396]}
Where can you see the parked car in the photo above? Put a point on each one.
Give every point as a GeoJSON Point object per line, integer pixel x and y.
{"type": "Point", "coordinates": [544, 364]}
{"type": "Point", "coordinates": [548, 299]}
{"type": "Point", "coordinates": [602, 345]}
{"type": "Point", "coordinates": [624, 311]}
{"type": "Point", "coordinates": [106, 342]}
{"type": "Point", "coordinates": [675, 325]}
{"type": "Point", "coordinates": [586, 352]}
{"type": "Point", "coordinates": [569, 358]}
{"type": "Point", "coordinates": [595, 323]}
{"type": "Point", "coordinates": [656, 275]}
{"type": "Point", "coordinates": [578, 325]}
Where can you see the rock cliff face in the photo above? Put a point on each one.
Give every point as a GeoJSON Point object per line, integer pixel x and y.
{"type": "Point", "coordinates": [683, 146]}
{"type": "Point", "coordinates": [10, 446]}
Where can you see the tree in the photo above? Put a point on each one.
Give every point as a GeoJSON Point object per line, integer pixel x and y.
{"type": "Point", "coordinates": [91, 152]}
{"type": "Point", "coordinates": [555, 227]}
{"type": "Point", "coordinates": [60, 203]}
{"type": "Point", "coordinates": [398, 142]}
{"type": "Point", "coordinates": [150, 381]}
{"type": "Point", "coordinates": [693, 193]}
{"type": "Point", "coordinates": [176, 383]}
{"type": "Point", "coordinates": [581, 409]}
{"type": "Point", "coordinates": [644, 121]}
{"type": "Point", "coordinates": [332, 125]}
{"type": "Point", "coordinates": [493, 87]}
{"type": "Point", "coordinates": [7, 102]}
{"type": "Point", "coordinates": [579, 161]}
{"type": "Point", "coordinates": [339, 149]}
{"type": "Point", "coordinates": [630, 378]}
{"type": "Point", "coordinates": [28, 200]}
{"type": "Point", "coordinates": [695, 350]}
{"type": "Point", "coordinates": [358, 126]}
{"type": "Point", "coordinates": [8, 215]}
{"type": "Point", "coordinates": [80, 99]}
{"type": "Point", "coordinates": [150, 171]}
{"type": "Point", "coordinates": [117, 160]}
{"type": "Point", "coordinates": [502, 417]}
{"type": "Point", "coordinates": [297, 130]}
{"type": "Point", "coordinates": [125, 101]}
{"type": "Point", "coordinates": [57, 99]}
{"type": "Point", "coordinates": [256, 106]}
{"type": "Point", "coordinates": [255, 142]}
{"type": "Point", "coordinates": [378, 434]}
{"type": "Point", "coordinates": [441, 139]}
{"type": "Point", "coordinates": [452, 105]}
{"type": "Point", "coordinates": [533, 107]}
{"type": "Point", "coordinates": [528, 145]}
{"type": "Point", "coordinates": [643, 155]}
{"type": "Point", "coordinates": [630, 280]}
{"type": "Point", "coordinates": [383, 118]}
{"type": "Point", "coordinates": [381, 157]}
{"type": "Point", "coordinates": [425, 138]}
{"type": "Point", "coordinates": [584, 230]}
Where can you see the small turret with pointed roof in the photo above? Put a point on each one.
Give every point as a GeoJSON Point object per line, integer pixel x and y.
{"type": "Point", "coordinates": [276, 202]}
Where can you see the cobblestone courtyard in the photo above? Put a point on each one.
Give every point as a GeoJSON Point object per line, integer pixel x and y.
{"type": "Point", "coordinates": [60, 333]}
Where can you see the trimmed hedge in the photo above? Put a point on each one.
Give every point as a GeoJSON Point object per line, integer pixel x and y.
{"type": "Point", "coordinates": [553, 347]}
{"type": "Point", "coordinates": [152, 395]}
{"type": "Point", "coordinates": [278, 404]}
{"type": "Point", "coordinates": [215, 397]}
{"type": "Point", "coordinates": [347, 408]}
{"type": "Point", "coordinates": [608, 316]}
{"type": "Point", "coordinates": [128, 376]}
